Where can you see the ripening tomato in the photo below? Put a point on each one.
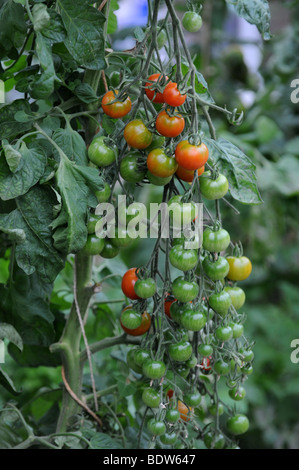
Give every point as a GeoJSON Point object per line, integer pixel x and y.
{"type": "Point", "coordinates": [118, 109]}
{"type": "Point", "coordinates": [191, 157]}
{"type": "Point", "coordinates": [128, 283]}
{"type": "Point", "coordinates": [184, 411]}
{"type": "Point", "coordinates": [142, 329]}
{"type": "Point", "coordinates": [101, 152]}
{"type": "Point", "coordinates": [188, 175]}
{"type": "Point", "coordinates": [239, 268]}
{"type": "Point", "coordinates": [137, 134]}
{"type": "Point", "coordinates": [160, 164]}
{"type": "Point", "coordinates": [167, 304]}
{"type": "Point", "coordinates": [169, 126]}
{"type": "Point", "coordinates": [151, 91]}
{"type": "Point", "coordinates": [131, 319]}
{"type": "Point", "coordinates": [173, 96]}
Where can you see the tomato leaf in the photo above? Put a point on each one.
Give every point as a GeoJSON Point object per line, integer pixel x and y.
{"type": "Point", "coordinates": [85, 93]}
{"type": "Point", "coordinates": [9, 332]}
{"type": "Point", "coordinates": [31, 168]}
{"type": "Point", "coordinates": [43, 87]}
{"type": "Point", "coordinates": [30, 224]}
{"type": "Point", "coordinates": [7, 383]}
{"type": "Point", "coordinates": [12, 26]}
{"type": "Point", "coordinates": [72, 144]}
{"type": "Point", "coordinates": [84, 27]}
{"type": "Point", "coordinates": [112, 19]}
{"type": "Point", "coordinates": [9, 126]}
{"type": "Point", "coordinates": [256, 12]}
{"type": "Point", "coordinates": [237, 167]}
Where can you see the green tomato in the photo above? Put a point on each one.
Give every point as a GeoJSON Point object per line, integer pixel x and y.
{"type": "Point", "coordinates": [130, 170]}
{"type": "Point", "coordinates": [109, 251]}
{"type": "Point", "coordinates": [183, 371]}
{"type": "Point", "coordinates": [221, 367]}
{"type": "Point", "coordinates": [214, 441]}
{"type": "Point", "coordinates": [182, 259]}
{"type": "Point", "coordinates": [92, 222]}
{"type": "Point", "coordinates": [238, 424]}
{"type": "Point", "coordinates": [215, 241]}
{"type": "Point", "coordinates": [161, 39]}
{"type": "Point", "coordinates": [213, 188]}
{"type": "Point", "coordinates": [192, 399]}
{"type": "Point", "coordinates": [247, 355]}
{"type": "Point", "coordinates": [156, 427]}
{"type": "Point", "coordinates": [224, 333]}
{"type": "Point", "coordinates": [192, 21]}
{"type": "Point", "coordinates": [180, 351]}
{"type": "Point", "coordinates": [151, 397]}
{"type": "Point", "coordinates": [120, 237]}
{"type": "Point", "coordinates": [154, 369]}
{"type": "Point", "coordinates": [145, 288]}
{"type": "Point", "coordinates": [93, 246]}
{"type": "Point", "coordinates": [176, 311]}
{"type": "Point", "coordinates": [169, 438]}
{"type": "Point", "coordinates": [100, 153]}
{"type": "Point", "coordinates": [220, 302]}
{"type": "Point", "coordinates": [131, 319]}
{"type": "Point", "coordinates": [238, 329]}
{"type": "Point", "coordinates": [246, 370]}
{"type": "Point", "coordinates": [237, 393]}
{"type": "Point", "coordinates": [104, 194]}
{"type": "Point", "coordinates": [140, 356]}
{"type": "Point", "coordinates": [183, 290]}
{"type": "Point", "coordinates": [216, 270]}
{"type": "Point", "coordinates": [214, 410]}
{"type": "Point", "coordinates": [172, 416]}
{"type": "Point", "coordinates": [193, 320]}
{"type": "Point", "coordinates": [237, 295]}
{"type": "Point", "coordinates": [191, 363]}
{"type": "Point", "coordinates": [205, 350]}
{"type": "Point", "coordinates": [131, 362]}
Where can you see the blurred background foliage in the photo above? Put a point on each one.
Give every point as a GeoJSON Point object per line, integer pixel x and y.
{"type": "Point", "coordinates": [269, 233]}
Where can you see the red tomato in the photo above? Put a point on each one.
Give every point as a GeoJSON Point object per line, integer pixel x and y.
{"type": "Point", "coordinates": [169, 126]}
{"type": "Point", "coordinates": [172, 96]}
{"type": "Point", "coordinates": [128, 282]}
{"type": "Point", "coordinates": [188, 175]}
{"type": "Point", "coordinates": [118, 109]}
{"type": "Point", "coordinates": [167, 305]}
{"type": "Point", "coordinates": [151, 93]}
{"type": "Point", "coordinates": [142, 329]}
{"type": "Point", "coordinates": [191, 157]}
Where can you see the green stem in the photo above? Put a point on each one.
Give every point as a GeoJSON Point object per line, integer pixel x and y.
{"type": "Point", "coordinates": [108, 343]}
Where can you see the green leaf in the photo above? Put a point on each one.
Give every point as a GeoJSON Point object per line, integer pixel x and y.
{"type": "Point", "coordinates": [256, 12]}
{"type": "Point", "coordinates": [41, 17]}
{"type": "Point", "coordinates": [9, 332]}
{"type": "Point", "coordinates": [76, 183]}
{"type": "Point", "coordinates": [12, 23]}
{"type": "Point", "coordinates": [104, 441]}
{"type": "Point", "coordinates": [237, 167]}
{"type": "Point", "coordinates": [112, 19]}
{"type": "Point", "coordinates": [32, 218]}
{"type": "Point", "coordinates": [85, 93]}
{"type": "Point", "coordinates": [7, 383]}
{"type": "Point", "coordinates": [31, 169]}
{"type": "Point", "coordinates": [9, 127]}
{"type": "Point", "coordinates": [84, 26]}
{"type": "Point", "coordinates": [139, 34]}
{"type": "Point", "coordinates": [12, 155]}
{"type": "Point", "coordinates": [72, 144]}
{"type": "Point", "coordinates": [201, 86]}
{"type": "Point", "coordinates": [55, 31]}
{"type": "Point", "coordinates": [43, 87]}
{"type": "Point", "coordinates": [281, 176]}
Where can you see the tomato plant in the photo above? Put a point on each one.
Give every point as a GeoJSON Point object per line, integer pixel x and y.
{"type": "Point", "coordinates": [91, 125]}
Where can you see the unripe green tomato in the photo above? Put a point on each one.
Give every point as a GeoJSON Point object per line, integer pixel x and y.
{"type": "Point", "coordinates": [205, 350]}
{"type": "Point", "coordinates": [192, 21]}
{"type": "Point", "coordinates": [238, 330]}
{"type": "Point", "coordinates": [247, 355]}
{"type": "Point", "coordinates": [129, 169]}
{"type": "Point", "coordinates": [156, 427]}
{"type": "Point", "coordinates": [237, 295]}
{"type": "Point", "coordinates": [191, 363]}
{"type": "Point", "coordinates": [172, 416]}
{"type": "Point", "coordinates": [103, 195]}
{"type": "Point", "coordinates": [192, 399]}
{"type": "Point", "coordinates": [221, 367]}
{"type": "Point", "coordinates": [100, 153]}
{"type": "Point", "coordinates": [247, 369]}
{"type": "Point", "coordinates": [215, 241]}
{"type": "Point", "coordinates": [213, 189]}
{"type": "Point", "coordinates": [93, 246]}
{"type": "Point", "coordinates": [183, 371]}
{"type": "Point", "coordinates": [193, 320]}
{"type": "Point", "coordinates": [216, 270]}
{"type": "Point", "coordinates": [183, 290]}
{"type": "Point", "coordinates": [154, 369]}
{"type": "Point", "coordinates": [161, 39]}
{"type": "Point", "coordinates": [214, 410]}
{"type": "Point", "coordinates": [237, 393]}
{"type": "Point", "coordinates": [176, 312]}
{"type": "Point", "coordinates": [92, 222]}
{"type": "Point", "coordinates": [120, 238]}
{"type": "Point", "coordinates": [131, 319]}
{"type": "Point", "coordinates": [169, 438]}
{"type": "Point", "coordinates": [180, 351]}
{"type": "Point", "coordinates": [131, 362]}
{"type": "Point", "coordinates": [183, 259]}
{"type": "Point", "coordinates": [220, 302]}
{"type": "Point", "coordinates": [214, 441]}
{"type": "Point", "coordinates": [157, 142]}
{"type": "Point", "coordinates": [140, 356]}
{"type": "Point", "coordinates": [109, 251]}
{"type": "Point", "coordinates": [151, 397]}
{"type": "Point", "coordinates": [145, 288]}
{"type": "Point", "coordinates": [238, 424]}
{"type": "Point", "coordinates": [224, 333]}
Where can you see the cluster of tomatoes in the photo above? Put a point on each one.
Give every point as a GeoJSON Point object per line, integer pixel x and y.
{"type": "Point", "coordinates": [194, 330]}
